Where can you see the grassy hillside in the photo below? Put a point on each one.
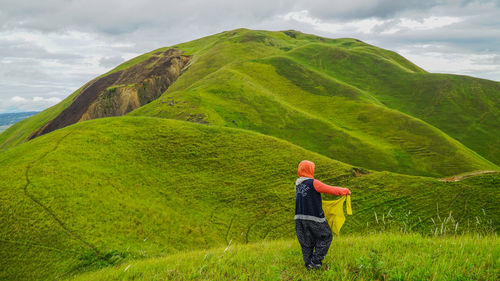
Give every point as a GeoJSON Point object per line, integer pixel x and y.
{"type": "Point", "coordinates": [294, 86]}
{"type": "Point", "coordinates": [341, 98]}
{"type": "Point", "coordinates": [103, 191]}
{"type": "Point", "coordinates": [466, 108]}
{"type": "Point", "coordinates": [371, 257]}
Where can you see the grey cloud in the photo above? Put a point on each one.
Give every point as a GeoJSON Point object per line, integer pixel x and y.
{"type": "Point", "coordinates": [18, 70]}
{"type": "Point", "coordinates": [22, 49]}
{"type": "Point", "coordinates": [365, 8]}
{"type": "Point", "coordinates": [496, 60]}
{"type": "Point", "coordinates": [126, 17]}
{"type": "Point", "coordinates": [29, 78]}
{"type": "Point", "coordinates": [111, 31]}
{"type": "Point", "coordinates": [111, 61]}
{"type": "Point", "coordinates": [119, 17]}
{"type": "Point", "coordinates": [468, 39]}
{"type": "Point", "coordinates": [340, 9]}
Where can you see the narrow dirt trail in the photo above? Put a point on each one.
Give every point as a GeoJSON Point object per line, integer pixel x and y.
{"type": "Point", "coordinates": [468, 175]}
{"type": "Point", "coordinates": [47, 209]}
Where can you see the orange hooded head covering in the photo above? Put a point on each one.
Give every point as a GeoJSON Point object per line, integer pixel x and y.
{"type": "Point", "coordinates": [306, 169]}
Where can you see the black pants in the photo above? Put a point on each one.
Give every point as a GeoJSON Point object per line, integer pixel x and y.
{"type": "Point", "coordinates": [314, 238]}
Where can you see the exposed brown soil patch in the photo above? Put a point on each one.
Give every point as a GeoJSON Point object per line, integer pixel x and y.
{"type": "Point", "coordinates": [121, 92]}
{"type": "Point", "coordinates": [359, 172]}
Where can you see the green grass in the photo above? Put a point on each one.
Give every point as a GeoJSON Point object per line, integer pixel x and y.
{"type": "Point", "coordinates": [370, 257]}
{"type": "Point", "coordinates": [99, 192]}
{"type": "Point", "coordinates": [337, 98]}
{"type": "Point", "coordinates": [466, 108]}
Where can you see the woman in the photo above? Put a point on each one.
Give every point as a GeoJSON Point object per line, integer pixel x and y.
{"type": "Point", "coordinates": [311, 227]}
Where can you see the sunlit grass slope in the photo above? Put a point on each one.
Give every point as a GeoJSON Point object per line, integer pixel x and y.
{"type": "Point", "coordinates": [466, 108]}
{"type": "Point", "coordinates": [369, 257]}
{"type": "Point", "coordinates": [330, 96]}
{"type": "Point", "coordinates": [103, 191]}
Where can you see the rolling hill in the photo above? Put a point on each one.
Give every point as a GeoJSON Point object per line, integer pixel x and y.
{"type": "Point", "coordinates": [98, 192]}
{"type": "Point", "coordinates": [342, 98]}
{"type": "Point", "coordinates": [195, 146]}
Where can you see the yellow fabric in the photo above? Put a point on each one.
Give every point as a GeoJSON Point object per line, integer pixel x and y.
{"type": "Point", "coordinates": [334, 212]}
{"type": "Point", "coordinates": [348, 205]}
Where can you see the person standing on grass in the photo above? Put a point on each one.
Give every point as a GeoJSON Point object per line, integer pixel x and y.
{"type": "Point", "coordinates": [312, 229]}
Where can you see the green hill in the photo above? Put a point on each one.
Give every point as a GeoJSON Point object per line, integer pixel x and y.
{"type": "Point", "coordinates": [207, 152]}
{"type": "Point", "coordinates": [342, 98]}
{"type": "Point", "coordinates": [107, 190]}
{"type": "Point", "coordinates": [284, 85]}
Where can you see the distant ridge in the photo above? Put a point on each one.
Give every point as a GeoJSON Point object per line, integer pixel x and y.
{"type": "Point", "coordinates": [7, 119]}
{"type": "Point", "coordinates": [13, 117]}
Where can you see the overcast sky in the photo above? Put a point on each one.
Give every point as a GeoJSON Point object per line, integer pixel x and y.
{"type": "Point", "coordinates": [50, 48]}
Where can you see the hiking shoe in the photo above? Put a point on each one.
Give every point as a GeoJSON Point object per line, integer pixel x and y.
{"type": "Point", "coordinates": [316, 266]}
{"type": "Point", "coordinates": [313, 266]}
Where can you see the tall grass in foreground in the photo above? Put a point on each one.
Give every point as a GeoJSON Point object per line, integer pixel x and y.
{"type": "Point", "coordinates": [438, 225]}
{"type": "Point", "coordinates": [383, 256]}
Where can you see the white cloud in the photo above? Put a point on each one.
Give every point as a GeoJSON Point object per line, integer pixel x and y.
{"type": "Point", "coordinates": [357, 26]}
{"type": "Point", "coordinates": [428, 23]}
{"type": "Point", "coordinates": [479, 65]}
{"type": "Point", "coordinates": [19, 104]}
{"type": "Point", "coordinates": [371, 25]}
{"type": "Point", "coordinates": [301, 16]}
{"type": "Point", "coordinates": [17, 99]}
{"type": "Point", "coordinates": [50, 100]}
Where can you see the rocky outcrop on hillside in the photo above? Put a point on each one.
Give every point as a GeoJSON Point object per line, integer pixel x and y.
{"type": "Point", "coordinates": [123, 91]}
